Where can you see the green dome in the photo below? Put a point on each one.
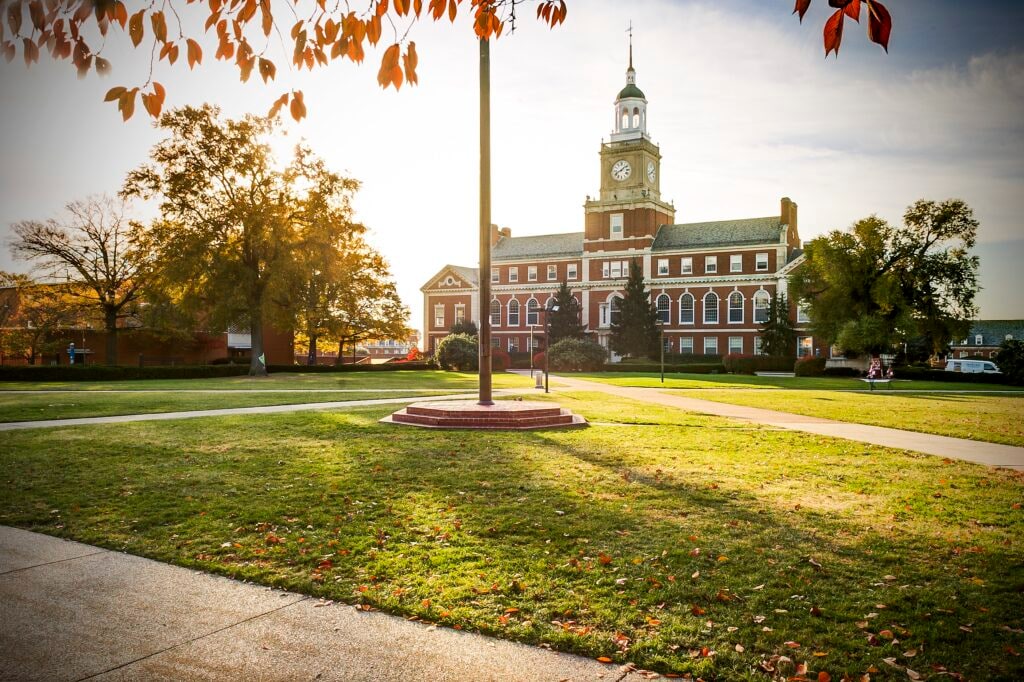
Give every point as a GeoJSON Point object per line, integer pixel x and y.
{"type": "Point", "coordinates": [630, 91]}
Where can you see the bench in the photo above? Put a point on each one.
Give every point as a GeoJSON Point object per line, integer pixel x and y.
{"type": "Point", "coordinates": [872, 382]}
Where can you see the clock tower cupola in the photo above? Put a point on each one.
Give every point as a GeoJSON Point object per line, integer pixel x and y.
{"type": "Point", "coordinates": [629, 209]}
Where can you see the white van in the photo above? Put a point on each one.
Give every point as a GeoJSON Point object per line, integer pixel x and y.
{"type": "Point", "coordinates": [972, 367]}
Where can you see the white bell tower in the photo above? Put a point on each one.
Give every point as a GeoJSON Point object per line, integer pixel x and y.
{"type": "Point", "coordinates": [630, 107]}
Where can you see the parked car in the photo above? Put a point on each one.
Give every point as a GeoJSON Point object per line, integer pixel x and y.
{"type": "Point", "coordinates": [972, 367]}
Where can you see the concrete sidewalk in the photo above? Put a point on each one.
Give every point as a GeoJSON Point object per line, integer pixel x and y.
{"type": "Point", "coordinates": [76, 612]}
{"type": "Point", "coordinates": [992, 454]}
{"type": "Point", "coordinates": [264, 409]}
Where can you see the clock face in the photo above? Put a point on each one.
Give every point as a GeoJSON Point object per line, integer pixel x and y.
{"type": "Point", "coordinates": [621, 170]}
{"type": "Point", "coordinates": [650, 171]}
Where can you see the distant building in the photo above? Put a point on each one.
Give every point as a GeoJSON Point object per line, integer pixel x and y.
{"type": "Point", "coordinates": [985, 336]}
{"type": "Point", "coordinates": [711, 282]}
{"type": "Point", "coordinates": [390, 349]}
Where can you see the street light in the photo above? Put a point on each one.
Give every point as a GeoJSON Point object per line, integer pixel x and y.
{"type": "Point", "coordinates": [547, 344]}
{"type": "Point", "coordinates": [661, 328]}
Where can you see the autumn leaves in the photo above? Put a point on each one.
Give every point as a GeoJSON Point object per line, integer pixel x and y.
{"type": "Point", "coordinates": [879, 21]}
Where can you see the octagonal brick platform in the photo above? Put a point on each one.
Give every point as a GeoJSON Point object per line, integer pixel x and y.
{"type": "Point", "coordinates": [467, 414]}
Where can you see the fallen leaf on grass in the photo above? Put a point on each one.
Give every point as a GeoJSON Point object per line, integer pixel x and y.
{"type": "Point", "coordinates": [793, 645]}
{"type": "Point", "coordinates": [740, 649]}
{"type": "Point", "coordinates": [913, 675]}
{"type": "Point", "coordinates": [603, 659]}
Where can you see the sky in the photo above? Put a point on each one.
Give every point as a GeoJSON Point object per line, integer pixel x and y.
{"type": "Point", "coordinates": [742, 102]}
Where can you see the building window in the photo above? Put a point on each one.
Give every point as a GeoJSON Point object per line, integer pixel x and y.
{"type": "Point", "coordinates": [495, 314]}
{"type": "Point", "coordinates": [495, 276]}
{"type": "Point", "coordinates": [710, 345]}
{"type": "Point", "coordinates": [979, 340]}
{"type": "Point", "coordinates": [801, 313]}
{"type": "Point", "coordinates": [570, 271]}
{"type": "Point", "coordinates": [460, 313]}
{"type": "Point", "coordinates": [552, 272]}
{"type": "Point", "coordinates": [602, 311]}
{"type": "Point", "coordinates": [495, 342]}
{"type": "Point", "coordinates": [531, 273]}
{"type": "Point", "coordinates": [687, 266]}
{"type": "Point", "coordinates": [686, 344]}
{"type": "Point", "coordinates": [513, 274]}
{"type": "Point", "coordinates": [439, 316]}
{"type": "Point", "coordinates": [663, 266]}
{"type": "Point", "coordinates": [613, 310]}
{"type": "Point", "coordinates": [686, 309]}
{"type": "Point", "coordinates": [736, 262]}
{"type": "Point", "coordinates": [513, 313]}
{"type": "Point", "coordinates": [758, 350]}
{"type": "Point", "coordinates": [615, 230]}
{"type": "Point", "coordinates": [532, 312]}
{"type": "Point", "coordinates": [616, 269]}
{"type": "Point", "coordinates": [804, 347]}
{"type": "Point", "coordinates": [666, 344]}
{"type": "Point", "coordinates": [736, 345]}
{"type": "Point", "coordinates": [735, 307]}
{"type": "Point", "coordinates": [762, 300]}
{"type": "Point", "coordinates": [513, 344]}
{"type": "Point", "coordinates": [664, 314]}
{"type": "Point", "coordinates": [761, 262]}
{"type": "Point", "coordinates": [711, 308]}
{"type": "Point", "coordinates": [534, 342]}
{"type": "Point", "coordinates": [710, 264]}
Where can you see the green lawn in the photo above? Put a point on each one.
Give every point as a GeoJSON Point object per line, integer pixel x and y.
{"type": "Point", "coordinates": [363, 381]}
{"type": "Point", "coordinates": [666, 543]}
{"type": "Point", "coordinates": [993, 418]}
{"type": "Point", "coordinates": [713, 381]}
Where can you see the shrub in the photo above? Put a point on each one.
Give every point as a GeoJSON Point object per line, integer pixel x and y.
{"type": "Point", "coordinates": [457, 351]}
{"type": "Point", "coordinates": [1010, 360]}
{"type": "Point", "coordinates": [649, 367]}
{"type": "Point", "coordinates": [577, 355]}
{"type": "Point", "coordinates": [500, 360]}
{"type": "Point", "coordinates": [749, 364]}
{"type": "Point", "coordinates": [810, 367]}
{"type": "Point", "coordinates": [842, 372]}
{"type": "Point", "coordinates": [538, 360]}
{"type": "Point", "coordinates": [116, 372]}
{"type": "Point", "coordinates": [520, 360]}
{"type": "Point", "coordinates": [323, 369]}
{"type": "Point", "coordinates": [691, 359]}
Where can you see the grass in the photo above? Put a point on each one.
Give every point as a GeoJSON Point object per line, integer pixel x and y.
{"type": "Point", "coordinates": [364, 381]}
{"type": "Point", "coordinates": [666, 539]}
{"type": "Point", "coordinates": [716, 381]}
{"type": "Point", "coordinates": [993, 418]}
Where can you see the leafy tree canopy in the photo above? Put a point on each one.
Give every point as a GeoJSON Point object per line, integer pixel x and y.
{"type": "Point", "coordinates": [876, 285]}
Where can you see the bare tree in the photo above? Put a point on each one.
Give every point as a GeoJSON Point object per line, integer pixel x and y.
{"type": "Point", "coordinates": [102, 255]}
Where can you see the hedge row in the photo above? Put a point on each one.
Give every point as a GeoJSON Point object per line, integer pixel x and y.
{"type": "Point", "coordinates": [749, 364]}
{"type": "Point", "coordinates": [922, 374]}
{"type": "Point", "coordinates": [124, 373]}
{"type": "Point", "coordinates": [709, 368]}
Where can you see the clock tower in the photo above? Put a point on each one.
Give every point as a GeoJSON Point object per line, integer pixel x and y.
{"type": "Point", "coordinates": [629, 209]}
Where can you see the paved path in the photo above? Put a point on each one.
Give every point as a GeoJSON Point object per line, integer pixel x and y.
{"type": "Point", "coordinates": [992, 454]}
{"type": "Point", "coordinates": [76, 612]}
{"type": "Point", "coordinates": [264, 409]}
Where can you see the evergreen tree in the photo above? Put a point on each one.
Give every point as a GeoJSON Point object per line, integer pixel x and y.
{"type": "Point", "coordinates": [635, 328]}
{"type": "Point", "coordinates": [565, 322]}
{"type": "Point", "coordinates": [778, 338]}
{"type": "Point", "coordinates": [467, 327]}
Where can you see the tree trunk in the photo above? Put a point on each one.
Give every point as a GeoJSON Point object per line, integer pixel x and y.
{"type": "Point", "coordinates": [110, 324]}
{"type": "Point", "coordinates": [340, 360]}
{"type": "Point", "coordinates": [257, 368]}
{"type": "Point", "coordinates": [311, 356]}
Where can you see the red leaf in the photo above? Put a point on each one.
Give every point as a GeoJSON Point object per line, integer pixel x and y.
{"type": "Point", "coordinates": [853, 10]}
{"type": "Point", "coordinates": [834, 32]}
{"type": "Point", "coordinates": [801, 8]}
{"type": "Point", "coordinates": [879, 24]}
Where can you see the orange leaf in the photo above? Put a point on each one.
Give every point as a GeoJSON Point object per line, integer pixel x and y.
{"type": "Point", "coordinates": [159, 26]}
{"type": "Point", "coordinates": [879, 24]}
{"type": "Point", "coordinates": [102, 66]}
{"type": "Point", "coordinates": [853, 10]}
{"type": "Point", "coordinates": [297, 107]}
{"type": "Point", "coordinates": [135, 27]}
{"type": "Point", "coordinates": [834, 32]}
{"type": "Point", "coordinates": [603, 659]}
{"type": "Point", "coordinates": [114, 93]}
{"type": "Point", "coordinates": [267, 69]}
{"type": "Point", "coordinates": [195, 53]}
{"type": "Point", "coordinates": [824, 676]}
{"type": "Point", "coordinates": [410, 60]}
{"type": "Point", "coordinates": [801, 8]}
{"type": "Point", "coordinates": [278, 103]}
{"type": "Point", "coordinates": [604, 558]}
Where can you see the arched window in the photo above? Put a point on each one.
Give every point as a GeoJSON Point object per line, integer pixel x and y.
{"type": "Point", "coordinates": [624, 120]}
{"type": "Point", "coordinates": [495, 313]}
{"type": "Point", "coordinates": [548, 303]}
{"type": "Point", "coordinates": [636, 117]}
{"type": "Point", "coordinates": [614, 310]}
{"type": "Point", "coordinates": [711, 308]}
{"type": "Point", "coordinates": [735, 307]}
{"type": "Point", "coordinates": [686, 309]}
{"type": "Point", "coordinates": [513, 313]}
{"type": "Point", "coordinates": [532, 312]}
{"type": "Point", "coordinates": [762, 300]}
{"type": "Point", "coordinates": [664, 314]}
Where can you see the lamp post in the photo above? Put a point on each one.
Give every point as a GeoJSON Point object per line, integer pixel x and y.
{"type": "Point", "coordinates": [661, 340]}
{"type": "Point", "coordinates": [547, 344]}
{"type": "Point", "coordinates": [485, 397]}
{"type": "Point", "coordinates": [531, 349]}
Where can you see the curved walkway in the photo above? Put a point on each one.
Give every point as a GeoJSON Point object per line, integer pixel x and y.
{"type": "Point", "coordinates": [992, 454]}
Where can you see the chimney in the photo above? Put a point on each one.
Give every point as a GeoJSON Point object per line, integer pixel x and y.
{"type": "Point", "coordinates": [506, 232]}
{"type": "Point", "coordinates": [495, 234]}
{"type": "Point", "coordinates": [787, 215]}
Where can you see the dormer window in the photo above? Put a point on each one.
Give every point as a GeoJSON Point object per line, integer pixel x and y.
{"type": "Point", "coordinates": [978, 339]}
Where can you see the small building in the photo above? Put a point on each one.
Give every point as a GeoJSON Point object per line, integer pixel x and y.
{"type": "Point", "coordinates": [985, 337]}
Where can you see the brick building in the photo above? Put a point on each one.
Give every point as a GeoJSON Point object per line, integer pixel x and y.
{"type": "Point", "coordinates": [985, 337]}
{"type": "Point", "coordinates": [711, 282]}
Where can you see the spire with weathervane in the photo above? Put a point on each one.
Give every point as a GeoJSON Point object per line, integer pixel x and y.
{"type": "Point", "coordinates": [630, 105]}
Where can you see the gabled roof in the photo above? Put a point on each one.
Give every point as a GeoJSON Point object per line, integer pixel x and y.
{"type": "Point", "coordinates": [539, 246]}
{"type": "Point", "coordinates": [469, 275]}
{"type": "Point", "coordinates": [993, 332]}
{"type": "Point", "coordinates": [720, 233]}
